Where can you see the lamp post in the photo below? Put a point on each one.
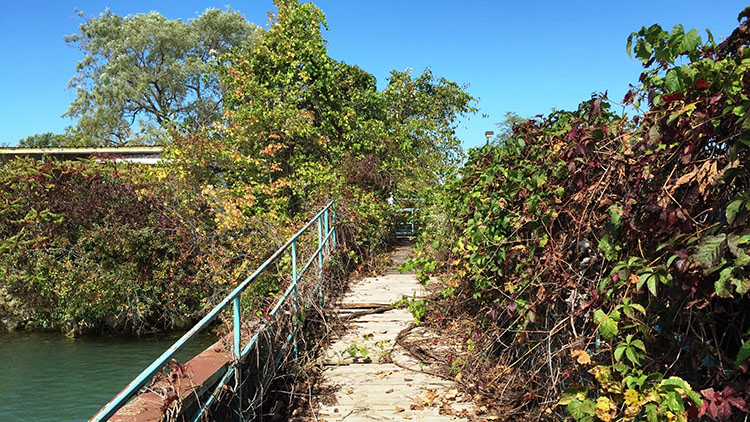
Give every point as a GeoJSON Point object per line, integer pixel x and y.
{"type": "Point", "coordinates": [489, 134]}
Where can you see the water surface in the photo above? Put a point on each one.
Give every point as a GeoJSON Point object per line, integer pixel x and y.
{"type": "Point", "coordinates": [48, 377]}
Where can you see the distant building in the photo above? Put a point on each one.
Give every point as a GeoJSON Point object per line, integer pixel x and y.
{"type": "Point", "coordinates": [144, 155]}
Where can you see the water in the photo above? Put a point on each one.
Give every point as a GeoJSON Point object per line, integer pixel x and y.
{"type": "Point", "coordinates": [48, 377]}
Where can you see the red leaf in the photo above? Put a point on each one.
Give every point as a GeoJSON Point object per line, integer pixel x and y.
{"type": "Point", "coordinates": [737, 402]}
{"type": "Point", "coordinates": [701, 84]}
{"type": "Point", "coordinates": [709, 394]}
{"type": "Point", "coordinates": [724, 411]}
{"type": "Point", "coordinates": [719, 410]}
{"type": "Point", "coordinates": [703, 408]}
{"type": "Point", "coordinates": [628, 98]}
{"type": "Point", "coordinates": [673, 97]}
{"type": "Point", "coordinates": [728, 391]}
{"type": "Point", "coordinates": [580, 180]}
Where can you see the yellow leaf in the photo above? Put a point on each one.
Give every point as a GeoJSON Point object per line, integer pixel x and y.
{"type": "Point", "coordinates": [605, 409]}
{"type": "Point", "coordinates": [581, 356]}
{"type": "Point", "coordinates": [632, 397]}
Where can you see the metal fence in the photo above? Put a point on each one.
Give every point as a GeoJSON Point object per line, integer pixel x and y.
{"type": "Point", "coordinates": [404, 224]}
{"type": "Point", "coordinates": [326, 231]}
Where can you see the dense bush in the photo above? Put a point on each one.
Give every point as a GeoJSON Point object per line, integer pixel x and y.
{"type": "Point", "coordinates": [87, 244]}
{"type": "Point", "coordinates": [90, 246]}
{"type": "Point", "coordinates": [607, 256]}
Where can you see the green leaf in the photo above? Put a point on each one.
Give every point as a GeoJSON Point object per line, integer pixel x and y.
{"type": "Point", "coordinates": [671, 383]}
{"type": "Point", "coordinates": [609, 248]}
{"type": "Point", "coordinates": [690, 41]}
{"type": "Point", "coordinates": [643, 50]}
{"type": "Point", "coordinates": [742, 259]}
{"type": "Point", "coordinates": [732, 209]}
{"type": "Point", "coordinates": [639, 344]}
{"type": "Point", "coordinates": [743, 14]}
{"type": "Point", "coordinates": [572, 393]}
{"type": "Point", "coordinates": [619, 351]}
{"type": "Point", "coordinates": [744, 353]}
{"type": "Point", "coordinates": [607, 323]}
{"type": "Point", "coordinates": [673, 81]}
{"type": "Point", "coordinates": [674, 402]}
{"type": "Point", "coordinates": [711, 38]}
{"type": "Point", "coordinates": [649, 278]}
{"type": "Point", "coordinates": [599, 315]}
{"type": "Point", "coordinates": [651, 283]}
{"type": "Point", "coordinates": [708, 252]}
{"type": "Point", "coordinates": [615, 215]}
{"type": "Point", "coordinates": [652, 413]}
{"type": "Point", "coordinates": [638, 308]}
{"type": "Point", "coordinates": [615, 315]}
{"type": "Point", "coordinates": [721, 284]}
{"type": "Point", "coordinates": [629, 44]}
{"type": "Point", "coordinates": [742, 285]}
{"type": "Point", "coordinates": [671, 260]}
{"type": "Point", "coordinates": [580, 409]}
{"type": "Point", "coordinates": [630, 353]}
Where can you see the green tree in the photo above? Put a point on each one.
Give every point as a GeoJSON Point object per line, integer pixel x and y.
{"type": "Point", "coordinates": [505, 126]}
{"type": "Point", "coordinates": [144, 73]}
{"type": "Point", "coordinates": [295, 114]}
{"type": "Point", "coordinates": [42, 140]}
{"type": "Point", "coordinates": [421, 117]}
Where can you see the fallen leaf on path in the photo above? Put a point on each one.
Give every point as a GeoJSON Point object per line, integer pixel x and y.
{"type": "Point", "coordinates": [399, 409]}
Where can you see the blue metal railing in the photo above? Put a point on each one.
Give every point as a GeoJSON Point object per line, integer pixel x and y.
{"type": "Point", "coordinates": [404, 225]}
{"type": "Point", "coordinates": [325, 240]}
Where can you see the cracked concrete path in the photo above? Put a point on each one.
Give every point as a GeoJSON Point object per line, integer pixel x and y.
{"type": "Point", "coordinates": [373, 378]}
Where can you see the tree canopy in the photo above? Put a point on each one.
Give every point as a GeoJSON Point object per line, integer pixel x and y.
{"type": "Point", "coordinates": [144, 73]}
{"type": "Point", "coordinates": [294, 114]}
{"type": "Point", "coordinates": [42, 140]}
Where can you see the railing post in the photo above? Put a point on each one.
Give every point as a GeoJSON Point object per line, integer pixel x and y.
{"type": "Point", "coordinates": [294, 291]}
{"type": "Point", "coordinates": [325, 226]}
{"type": "Point", "coordinates": [320, 250]}
{"type": "Point", "coordinates": [322, 222]}
{"type": "Point", "coordinates": [333, 235]}
{"type": "Point", "coordinates": [237, 346]}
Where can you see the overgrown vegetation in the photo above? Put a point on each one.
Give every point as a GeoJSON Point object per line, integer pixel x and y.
{"type": "Point", "coordinates": [604, 259]}
{"type": "Point", "coordinates": [89, 246]}
{"type": "Point", "coordinates": [95, 245]}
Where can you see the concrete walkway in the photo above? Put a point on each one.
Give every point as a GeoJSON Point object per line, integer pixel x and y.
{"type": "Point", "coordinates": [372, 378]}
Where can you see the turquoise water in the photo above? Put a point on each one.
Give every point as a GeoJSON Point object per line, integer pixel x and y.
{"type": "Point", "coordinates": [48, 377]}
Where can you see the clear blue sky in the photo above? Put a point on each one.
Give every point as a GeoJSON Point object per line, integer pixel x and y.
{"type": "Point", "coordinates": [521, 56]}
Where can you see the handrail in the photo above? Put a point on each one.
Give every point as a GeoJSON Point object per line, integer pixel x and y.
{"type": "Point", "coordinates": [322, 219]}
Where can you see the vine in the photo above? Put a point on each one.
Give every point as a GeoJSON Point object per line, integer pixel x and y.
{"type": "Point", "coordinates": [607, 256]}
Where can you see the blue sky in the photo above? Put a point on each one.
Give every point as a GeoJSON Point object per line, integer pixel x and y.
{"type": "Point", "coordinates": [520, 56]}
